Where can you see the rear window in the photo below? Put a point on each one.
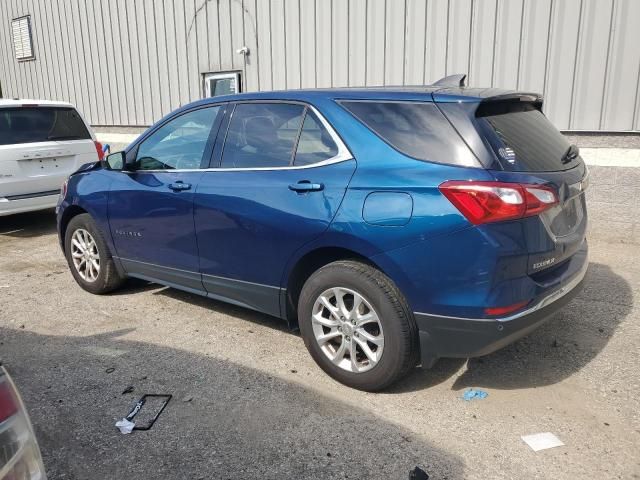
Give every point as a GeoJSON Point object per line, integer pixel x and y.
{"type": "Point", "coordinates": [40, 124]}
{"type": "Point", "coordinates": [416, 129]}
{"type": "Point", "coordinates": [522, 137]}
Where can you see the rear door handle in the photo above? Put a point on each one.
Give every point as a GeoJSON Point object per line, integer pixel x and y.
{"type": "Point", "coordinates": [306, 186]}
{"type": "Point", "coordinates": [178, 186]}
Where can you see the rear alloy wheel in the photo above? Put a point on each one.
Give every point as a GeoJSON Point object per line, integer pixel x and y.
{"type": "Point", "coordinates": [88, 256]}
{"type": "Point", "coordinates": [357, 325]}
{"type": "Point", "coordinates": [347, 329]}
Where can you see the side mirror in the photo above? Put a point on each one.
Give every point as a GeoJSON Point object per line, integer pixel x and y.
{"type": "Point", "coordinates": [115, 161]}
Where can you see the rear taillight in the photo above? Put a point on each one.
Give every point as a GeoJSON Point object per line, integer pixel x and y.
{"type": "Point", "coordinates": [19, 453]}
{"type": "Point", "coordinates": [8, 401]}
{"type": "Point", "coordinates": [99, 149]}
{"type": "Point", "coordinates": [485, 202]}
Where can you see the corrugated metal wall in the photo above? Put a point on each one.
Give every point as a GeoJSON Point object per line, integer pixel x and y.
{"type": "Point", "coordinates": [128, 62]}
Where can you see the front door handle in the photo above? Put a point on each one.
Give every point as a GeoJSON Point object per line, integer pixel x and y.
{"type": "Point", "coordinates": [179, 185]}
{"type": "Point", "coordinates": [304, 186]}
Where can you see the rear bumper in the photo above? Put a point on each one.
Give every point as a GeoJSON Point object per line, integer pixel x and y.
{"type": "Point", "coordinates": [29, 204]}
{"type": "Point", "coordinates": [442, 336]}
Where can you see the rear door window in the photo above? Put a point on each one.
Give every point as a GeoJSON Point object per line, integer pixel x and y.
{"type": "Point", "coordinates": [522, 138]}
{"type": "Point", "coordinates": [416, 129]}
{"type": "Point", "coordinates": [315, 143]}
{"type": "Point", "coordinates": [40, 124]}
{"type": "Point", "coordinates": [262, 135]}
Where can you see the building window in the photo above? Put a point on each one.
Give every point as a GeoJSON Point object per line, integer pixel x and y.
{"type": "Point", "coordinates": [216, 84]}
{"type": "Point", "coordinates": [22, 40]}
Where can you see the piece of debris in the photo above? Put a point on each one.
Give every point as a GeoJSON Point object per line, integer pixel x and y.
{"type": "Point", "coordinates": [555, 344]}
{"type": "Point", "coordinates": [542, 441]}
{"type": "Point", "coordinates": [474, 394]}
{"type": "Point", "coordinates": [418, 474]}
{"type": "Point", "coordinates": [294, 371]}
{"type": "Point", "coordinates": [110, 370]}
{"type": "Point", "coordinates": [125, 426]}
{"type": "Point", "coordinates": [129, 389]}
{"type": "Point", "coordinates": [187, 399]}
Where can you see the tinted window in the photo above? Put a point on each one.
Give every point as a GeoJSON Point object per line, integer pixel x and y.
{"type": "Point", "coordinates": [262, 135]}
{"type": "Point", "coordinates": [417, 129]}
{"type": "Point", "coordinates": [522, 137]}
{"type": "Point", "coordinates": [40, 124]}
{"type": "Point", "coordinates": [315, 143]}
{"type": "Point", "coordinates": [178, 144]}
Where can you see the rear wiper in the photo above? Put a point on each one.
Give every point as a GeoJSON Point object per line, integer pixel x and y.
{"type": "Point", "coordinates": [570, 155]}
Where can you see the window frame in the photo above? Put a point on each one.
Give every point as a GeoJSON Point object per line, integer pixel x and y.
{"type": "Point", "coordinates": [207, 77]}
{"type": "Point", "coordinates": [343, 152]}
{"type": "Point", "coordinates": [15, 21]}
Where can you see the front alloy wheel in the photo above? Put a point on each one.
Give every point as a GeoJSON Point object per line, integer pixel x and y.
{"type": "Point", "coordinates": [88, 256]}
{"type": "Point", "coordinates": [347, 329]}
{"type": "Point", "coordinates": [85, 255]}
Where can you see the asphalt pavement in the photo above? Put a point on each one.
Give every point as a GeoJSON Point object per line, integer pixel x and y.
{"type": "Point", "coordinates": [249, 403]}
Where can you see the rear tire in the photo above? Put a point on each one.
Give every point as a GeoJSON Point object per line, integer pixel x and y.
{"type": "Point", "coordinates": [89, 257]}
{"type": "Point", "coordinates": [357, 325]}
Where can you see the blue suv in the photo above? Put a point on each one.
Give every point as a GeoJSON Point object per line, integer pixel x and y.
{"type": "Point", "coordinates": [392, 226]}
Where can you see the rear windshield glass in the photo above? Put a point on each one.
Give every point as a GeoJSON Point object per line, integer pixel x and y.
{"type": "Point", "coordinates": [40, 124]}
{"type": "Point", "coordinates": [522, 137]}
{"type": "Point", "coordinates": [417, 129]}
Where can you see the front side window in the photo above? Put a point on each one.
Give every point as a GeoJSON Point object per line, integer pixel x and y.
{"type": "Point", "coordinates": [178, 144]}
{"type": "Point", "coordinates": [262, 135]}
{"type": "Point", "coordinates": [40, 124]}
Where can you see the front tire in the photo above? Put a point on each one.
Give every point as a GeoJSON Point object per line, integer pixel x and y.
{"type": "Point", "coordinates": [357, 325]}
{"type": "Point", "coordinates": [88, 256]}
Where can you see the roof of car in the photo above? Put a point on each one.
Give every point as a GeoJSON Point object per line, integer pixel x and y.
{"type": "Point", "coordinates": [397, 93]}
{"type": "Point", "coordinates": [18, 102]}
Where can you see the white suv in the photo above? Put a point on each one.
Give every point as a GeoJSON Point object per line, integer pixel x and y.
{"type": "Point", "coordinates": [41, 143]}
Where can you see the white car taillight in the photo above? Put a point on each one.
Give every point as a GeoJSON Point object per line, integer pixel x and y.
{"type": "Point", "coordinates": [19, 453]}
{"type": "Point", "coordinates": [63, 189]}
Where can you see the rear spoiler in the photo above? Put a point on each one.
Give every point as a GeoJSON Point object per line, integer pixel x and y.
{"type": "Point", "coordinates": [515, 97]}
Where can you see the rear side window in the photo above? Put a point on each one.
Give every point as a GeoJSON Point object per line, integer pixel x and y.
{"type": "Point", "coordinates": [40, 124]}
{"type": "Point", "coordinates": [262, 135]}
{"type": "Point", "coordinates": [416, 129]}
{"type": "Point", "coordinates": [522, 137]}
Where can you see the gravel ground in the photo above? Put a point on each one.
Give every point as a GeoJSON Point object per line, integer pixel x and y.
{"type": "Point", "coordinates": [250, 403]}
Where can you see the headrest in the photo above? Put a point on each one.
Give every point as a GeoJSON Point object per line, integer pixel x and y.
{"type": "Point", "coordinates": [260, 132]}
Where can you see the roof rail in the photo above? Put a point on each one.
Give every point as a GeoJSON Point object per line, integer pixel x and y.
{"type": "Point", "coordinates": [457, 80]}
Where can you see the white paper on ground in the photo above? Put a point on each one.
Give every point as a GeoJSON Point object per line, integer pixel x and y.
{"type": "Point", "coordinates": [125, 426]}
{"type": "Point", "coordinates": [542, 441]}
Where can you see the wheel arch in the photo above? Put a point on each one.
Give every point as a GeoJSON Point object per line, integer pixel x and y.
{"type": "Point", "coordinates": [306, 265]}
{"type": "Point", "coordinates": [69, 212]}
